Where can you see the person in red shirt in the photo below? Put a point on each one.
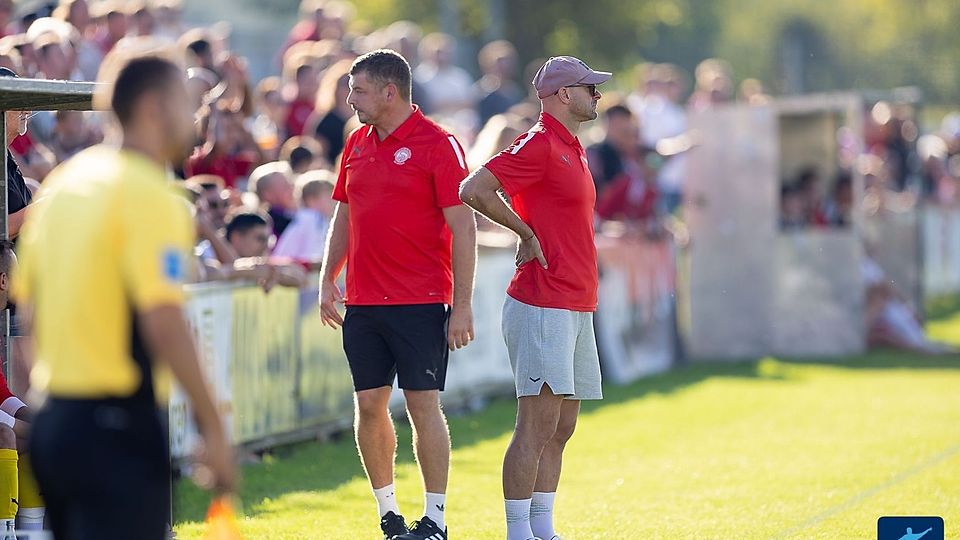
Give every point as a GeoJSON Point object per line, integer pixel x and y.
{"type": "Point", "coordinates": [310, 27]}
{"type": "Point", "coordinates": [409, 246]}
{"type": "Point", "coordinates": [548, 313]}
{"type": "Point", "coordinates": [229, 150]}
{"type": "Point", "coordinates": [303, 105]}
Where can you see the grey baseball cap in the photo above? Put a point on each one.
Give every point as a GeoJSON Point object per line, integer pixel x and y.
{"type": "Point", "coordinates": [560, 71]}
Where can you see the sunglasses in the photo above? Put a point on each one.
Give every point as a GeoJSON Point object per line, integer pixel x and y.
{"type": "Point", "coordinates": [592, 88]}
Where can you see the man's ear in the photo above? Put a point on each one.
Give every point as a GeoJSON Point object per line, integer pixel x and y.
{"type": "Point", "coordinates": [4, 281]}
{"type": "Point", "coordinates": [564, 95]}
{"type": "Point", "coordinates": [391, 91]}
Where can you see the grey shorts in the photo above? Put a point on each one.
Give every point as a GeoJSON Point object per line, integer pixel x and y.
{"type": "Point", "coordinates": [550, 346]}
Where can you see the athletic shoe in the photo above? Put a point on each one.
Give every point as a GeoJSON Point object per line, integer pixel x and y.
{"type": "Point", "coordinates": [425, 529]}
{"type": "Point", "coordinates": [393, 526]}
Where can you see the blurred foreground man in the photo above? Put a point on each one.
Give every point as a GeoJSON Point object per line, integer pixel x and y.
{"type": "Point", "coordinates": [410, 249]}
{"type": "Point", "coordinates": [102, 260]}
{"type": "Point", "coordinates": [548, 313]}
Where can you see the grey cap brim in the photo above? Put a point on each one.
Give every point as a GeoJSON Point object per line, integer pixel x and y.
{"type": "Point", "coordinates": [596, 77]}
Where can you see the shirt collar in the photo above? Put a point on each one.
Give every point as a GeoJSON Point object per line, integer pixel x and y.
{"type": "Point", "coordinates": [403, 130]}
{"type": "Point", "coordinates": [561, 130]}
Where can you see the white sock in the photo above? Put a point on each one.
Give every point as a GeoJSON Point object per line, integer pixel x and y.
{"type": "Point", "coordinates": [518, 519]}
{"type": "Point", "coordinates": [434, 506]}
{"type": "Point", "coordinates": [30, 519]}
{"type": "Point", "coordinates": [541, 515]}
{"type": "Point", "coordinates": [386, 500]}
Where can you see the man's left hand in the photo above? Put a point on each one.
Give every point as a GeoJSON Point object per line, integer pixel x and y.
{"type": "Point", "coordinates": [460, 329]}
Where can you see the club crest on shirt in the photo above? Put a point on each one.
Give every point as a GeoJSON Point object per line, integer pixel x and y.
{"type": "Point", "coordinates": [402, 155]}
{"type": "Point", "coordinates": [565, 160]}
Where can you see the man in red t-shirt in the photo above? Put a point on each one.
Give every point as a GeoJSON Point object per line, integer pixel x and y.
{"type": "Point", "coordinates": [548, 313]}
{"type": "Point", "coordinates": [410, 250]}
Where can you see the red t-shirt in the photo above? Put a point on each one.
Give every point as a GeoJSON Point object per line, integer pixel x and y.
{"type": "Point", "coordinates": [5, 392]}
{"type": "Point", "coordinates": [400, 248]}
{"type": "Point", "coordinates": [546, 175]}
{"type": "Point", "coordinates": [22, 144]}
{"type": "Point", "coordinates": [627, 197]}
{"type": "Point", "coordinates": [297, 117]}
{"type": "Point", "coordinates": [228, 167]}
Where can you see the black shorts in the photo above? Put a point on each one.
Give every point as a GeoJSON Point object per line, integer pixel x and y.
{"type": "Point", "coordinates": [409, 342]}
{"type": "Point", "coordinates": [103, 469]}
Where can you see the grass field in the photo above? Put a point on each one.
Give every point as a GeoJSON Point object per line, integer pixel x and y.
{"type": "Point", "coordinates": [764, 449]}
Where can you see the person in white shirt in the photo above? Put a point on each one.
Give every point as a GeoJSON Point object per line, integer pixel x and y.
{"type": "Point", "coordinates": [451, 98]}
{"type": "Point", "coordinates": [304, 238]}
{"type": "Point", "coordinates": [891, 321]}
{"type": "Point", "coordinates": [662, 117]}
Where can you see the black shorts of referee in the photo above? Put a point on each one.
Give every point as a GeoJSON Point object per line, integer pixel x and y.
{"type": "Point", "coordinates": [104, 469]}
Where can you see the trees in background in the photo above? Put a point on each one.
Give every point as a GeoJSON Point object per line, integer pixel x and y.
{"type": "Point", "coordinates": [791, 45]}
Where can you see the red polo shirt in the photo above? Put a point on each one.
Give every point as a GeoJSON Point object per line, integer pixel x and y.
{"type": "Point", "coordinates": [400, 249]}
{"type": "Point", "coordinates": [545, 172]}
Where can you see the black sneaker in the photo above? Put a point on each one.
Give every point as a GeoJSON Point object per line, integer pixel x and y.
{"type": "Point", "coordinates": [393, 526]}
{"type": "Point", "coordinates": [425, 529]}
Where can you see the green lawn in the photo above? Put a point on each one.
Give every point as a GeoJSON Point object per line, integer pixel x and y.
{"type": "Point", "coordinates": [766, 449]}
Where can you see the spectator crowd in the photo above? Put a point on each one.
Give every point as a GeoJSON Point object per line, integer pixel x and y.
{"type": "Point", "coordinates": [265, 160]}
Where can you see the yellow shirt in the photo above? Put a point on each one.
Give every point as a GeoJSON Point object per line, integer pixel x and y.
{"type": "Point", "coordinates": [106, 238]}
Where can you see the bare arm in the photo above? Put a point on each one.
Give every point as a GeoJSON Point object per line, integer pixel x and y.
{"type": "Point", "coordinates": [21, 428]}
{"type": "Point", "coordinates": [25, 414]}
{"type": "Point", "coordinates": [15, 221]}
{"type": "Point", "coordinates": [335, 252]}
{"type": "Point", "coordinates": [170, 341]}
{"type": "Point", "coordinates": [290, 275]}
{"type": "Point", "coordinates": [251, 268]}
{"type": "Point", "coordinates": [266, 275]}
{"type": "Point", "coordinates": [480, 192]}
{"type": "Point", "coordinates": [462, 223]}
{"type": "Point", "coordinates": [334, 258]}
{"type": "Point", "coordinates": [221, 248]}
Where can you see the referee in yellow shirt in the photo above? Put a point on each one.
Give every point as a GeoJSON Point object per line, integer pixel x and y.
{"type": "Point", "coordinates": [102, 261]}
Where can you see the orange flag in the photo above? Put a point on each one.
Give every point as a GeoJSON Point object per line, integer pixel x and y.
{"type": "Point", "coordinates": [222, 521]}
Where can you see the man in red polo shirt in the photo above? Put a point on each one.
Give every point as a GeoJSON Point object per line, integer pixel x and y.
{"type": "Point", "coordinates": [548, 313]}
{"type": "Point", "coordinates": [410, 250]}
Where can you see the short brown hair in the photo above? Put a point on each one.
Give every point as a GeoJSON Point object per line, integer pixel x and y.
{"type": "Point", "coordinates": [313, 183]}
{"type": "Point", "coordinates": [385, 66]}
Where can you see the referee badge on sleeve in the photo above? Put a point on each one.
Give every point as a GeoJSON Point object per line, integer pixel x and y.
{"type": "Point", "coordinates": [173, 265]}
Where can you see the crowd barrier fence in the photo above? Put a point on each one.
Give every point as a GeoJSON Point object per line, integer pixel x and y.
{"type": "Point", "coordinates": [280, 375]}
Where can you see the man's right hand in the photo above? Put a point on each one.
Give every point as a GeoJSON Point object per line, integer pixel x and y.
{"type": "Point", "coordinates": [215, 469]}
{"type": "Point", "coordinates": [330, 296]}
{"type": "Point", "coordinates": [528, 250]}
